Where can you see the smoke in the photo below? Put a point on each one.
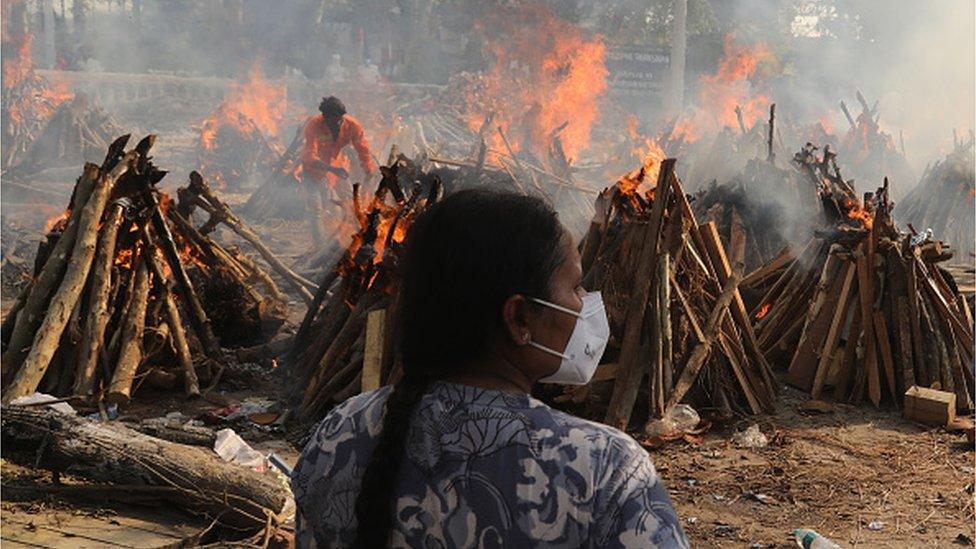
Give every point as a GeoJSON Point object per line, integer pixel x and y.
{"type": "Point", "coordinates": [917, 59]}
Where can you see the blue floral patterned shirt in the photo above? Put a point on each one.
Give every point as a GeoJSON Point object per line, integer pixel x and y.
{"type": "Point", "coordinates": [486, 468]}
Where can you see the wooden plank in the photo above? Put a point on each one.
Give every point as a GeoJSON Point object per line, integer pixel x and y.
{"type": "Point", "coordinates": [713, 245]}
{"type": "Point", "coordinates": [759, 275]}
{"type": "Point", "coordinates": [373, 351]}
{"type": "Point", "coordinates": [848, 364]}
{"type": "Point", "coordinates": [803, 364]}
{"type": "Point", "coordinates": [833, 333]}
{"type": "Point", "coordinates": [632, 369]}
{"type": "Point", "coordinates": [905, 358]}
{"type": "Point", "coordinates": [701, 351]}
{"type": "Point", "coordinates": [884, 348]}
{"type": "Point", "coordinates": [865, 284]}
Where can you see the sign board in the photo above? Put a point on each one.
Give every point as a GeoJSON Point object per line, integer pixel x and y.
{"type": "Point", "coordinates": [637, 72]}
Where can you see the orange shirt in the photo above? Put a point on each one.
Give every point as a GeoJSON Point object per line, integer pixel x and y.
{"type": "Point", "coordinates": [319, 145]}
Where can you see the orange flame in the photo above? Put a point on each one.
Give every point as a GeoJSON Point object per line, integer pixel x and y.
{"type": "Point", "coordinates": [57, 222]}
{"type": "Point", "coordinates": [545, 79]}
{"type": "Point", "coordinates": [37, 99]}
{"type": "Point", "coordinates": [730, 87]}
{"type": "Point", "coordinates": [254, 100]}
{"type": "Point", "coordinates": [763, 310]}
{"type": "Point", "coordinates": [856, 212]}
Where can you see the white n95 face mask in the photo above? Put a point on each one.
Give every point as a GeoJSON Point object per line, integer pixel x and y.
{"type": "Point", "coordinates": [586, 345]}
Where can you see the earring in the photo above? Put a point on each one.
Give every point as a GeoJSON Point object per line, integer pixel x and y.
{"type": "Point", "coordinates": [525, 336]}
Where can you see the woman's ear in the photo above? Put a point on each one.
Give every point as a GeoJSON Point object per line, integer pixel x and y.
{"type": "Point", "coordinates": [515, 317]}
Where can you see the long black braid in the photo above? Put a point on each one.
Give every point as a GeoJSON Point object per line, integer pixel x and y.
{"type": "Point", "coordinates": [464, 257]}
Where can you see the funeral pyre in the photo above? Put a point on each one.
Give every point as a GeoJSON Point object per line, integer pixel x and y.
{"type": "Point", "coordinates": [679, 328]}
{"type": "Point", "coordinates": [863, 310]}
{"type": "Point", "coordinates": [125, 287]}
{"type": "Point", "coordinates": [943, 200]}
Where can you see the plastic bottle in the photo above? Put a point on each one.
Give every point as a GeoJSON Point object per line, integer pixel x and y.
{"type": "Point", "coordinates": [809, 539]}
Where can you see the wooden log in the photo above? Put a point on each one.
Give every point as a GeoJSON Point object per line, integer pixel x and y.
{"type": "Point", "coordinates": [184, 287]}
{"type": "Point", "coordinates": [98, 311]}
{"type": "Point", "coordinates": [130, 350]}
{"type": "Point", "coordinates": [272, 349]}
{"type": "Point", "coordinates": [29, 319]}
{"type": "Point", "coordinates": [108, 452]}
{"type": "Point", "coordinates": [803, 364]}
{"type": "Point", "coordinates": [723, 270]}
{"type": "Point", "coordinates": [181, 346]}
{"type": "Point", "coordinates": [56, 317]}
{"type": "Point", "coordinates": [227, 217]}
{"type": "Point", "coordinates": [694, 364]}
{"type": "Point", "coordinates": [666, 335]}
{"type": "Point", "coordinates": [848, 363]}
{"type": "Point", "coordinates": [865, 293]}
{"type": "Point", "coordinates": [905, 355]}
{"type": "Point", "coordinates": [631, 369]}
{"type": "Point", "coordinates": [373, 352]}
{"type": "Point", "coordinates": [768, 270]}
{"type": "Point", "coordinates": [833, 332]}
{"type": "Point", "coordinates": [884, 350]}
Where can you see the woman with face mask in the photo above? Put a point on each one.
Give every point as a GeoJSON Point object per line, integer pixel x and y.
{"type": "Point", "coordinates": [457, 453]}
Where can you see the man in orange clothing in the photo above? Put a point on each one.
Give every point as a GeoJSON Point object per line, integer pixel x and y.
{"type": "Point", "coordinates": [323, 164]}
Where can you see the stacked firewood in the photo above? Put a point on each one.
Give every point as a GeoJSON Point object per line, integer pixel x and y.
{"type": "Point", "coordinates": [679, 329]}
{"type": "Point", "coordinates": [25, 106]}
{"type": "Point", "coordinates": [863, 309]}
{"type": "Point", "coordinates": [943, 200]}
{"type": "Point", "coordinates": [344, 344]}
{"type": "Point", "coordinates": [77, 131]}
{"type": "Point", "coordinates": [124, 287]}
{"type": "Point", "coordinates": [234, 150]}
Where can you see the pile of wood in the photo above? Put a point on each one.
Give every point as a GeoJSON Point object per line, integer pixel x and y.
{"type": "Point", "coordinates": [679, 329]}
{"type": "Point", "coordinates": [234, 151]}
{"type": "Point", "coordinates": [863, 309]}
{"type": "Point", "coordinates": [281, 196]}
{"type": "Point", "coordinates": [26, 105]}
{"type": "Point", "coordinates": [344, 344]}
{"type": "Point", "coordinates": [943, 200]}
{"type": "Point", "coordinates": [78, 131]}
{"type": "Point", "coordinates": [125, 288]}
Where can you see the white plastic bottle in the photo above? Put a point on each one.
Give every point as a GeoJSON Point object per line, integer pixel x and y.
{"type": "Point", "coordinates": [809, 539]}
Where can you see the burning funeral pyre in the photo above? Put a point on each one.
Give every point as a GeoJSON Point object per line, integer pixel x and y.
{"type": "Point", "coordinates": [679, 328]}
{"type": "Point", "coordinates": [238, 141]}
{"type": "Point", "coordinates": [344, 344]}
{"type": "Point", "coordinates": [124, 287]}
{"type": "Point", "coordinates": [943, 200]}
{"type": "Point", "coordinates": [28, 100]}
{"type": "Point", "coordinates": [863, 309]}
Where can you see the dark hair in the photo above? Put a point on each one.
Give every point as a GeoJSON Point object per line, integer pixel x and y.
{"type": "Point", "coordinates": [332, 106]}
{"type": "Point", "coordinates": [464, 257]}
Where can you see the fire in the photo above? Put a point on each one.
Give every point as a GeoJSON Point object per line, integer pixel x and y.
{"type": "Point", "coordinates": [545, 80]}
{"type": "Point", "coordinates": [57, 222]}
{"type": "Point", "coordinates": [826, 125]}
{"type": "Point", "coordinates": [731, 87]}
{"type": "Point", "coordinates": [27, 96]}
{"type": "Point", "coordinates": [856, 212]}
{"type": "Point", "coordinates": [254, 100]}
{"type": "Point", "coordinates": [763, 311]}
{"type": "Point", "coordinates": [244, 129]}
{"type": "Point", "coordinates": [19, 67]}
